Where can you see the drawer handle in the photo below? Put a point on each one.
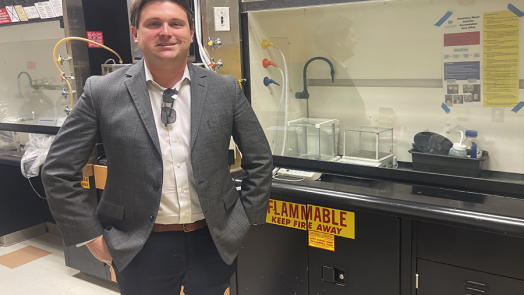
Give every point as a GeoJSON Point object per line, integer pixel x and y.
{"type": "Point", "coordinates": [476, 290]}
{"type": "Point", "coordinates": [477, 283]}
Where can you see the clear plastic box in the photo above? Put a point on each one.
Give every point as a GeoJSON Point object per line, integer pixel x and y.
{"type": "Point", "coordinates": [313, 138]}
{"type": "Point", "coordinates": [368, 144]}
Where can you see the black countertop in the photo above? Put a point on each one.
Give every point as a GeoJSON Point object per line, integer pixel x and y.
{"type": "Point", "coordinates": [499, 214]}
{"type": "Point", "coordinates": [12, 158]}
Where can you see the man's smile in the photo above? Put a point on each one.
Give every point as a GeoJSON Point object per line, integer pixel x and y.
{"type": "Point", "coordinates": [166, 44]}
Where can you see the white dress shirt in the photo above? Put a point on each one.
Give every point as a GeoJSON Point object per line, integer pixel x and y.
{"type": "Point", "coordinates": [179, 202]}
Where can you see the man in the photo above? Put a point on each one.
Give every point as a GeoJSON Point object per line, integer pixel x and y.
{"type": "Point", "coordinates": [170, 214]}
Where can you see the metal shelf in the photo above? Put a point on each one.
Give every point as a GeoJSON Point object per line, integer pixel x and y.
{"type": "Point", "coordinates": [279, 4]}
{"type": "Point", "coordinates": [52, 130]}
{"type": "Point", "coordinates": [60, 18]}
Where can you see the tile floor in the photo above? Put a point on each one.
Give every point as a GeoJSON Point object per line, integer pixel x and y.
{"type": "Point", "coordinates": [48, 275]}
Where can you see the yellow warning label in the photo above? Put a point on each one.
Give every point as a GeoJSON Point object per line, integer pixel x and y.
{"type": "Point", "coordinates": [287, 214]}
{"type": "Point", "coordinates": [85, 183]}
{"type": "Point", "coordinates": [331, 221]}
{"type": "Point", "coordinates": [321, 240]}
{"type": "Point", "coordinates": [322, 224]}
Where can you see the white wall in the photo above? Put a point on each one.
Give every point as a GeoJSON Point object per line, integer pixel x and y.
{"type": "Point", "coordinates": [391, 40]}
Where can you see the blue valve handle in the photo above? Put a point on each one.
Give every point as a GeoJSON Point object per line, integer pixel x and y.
{"type": "Point", "coordinates": [268, 81]}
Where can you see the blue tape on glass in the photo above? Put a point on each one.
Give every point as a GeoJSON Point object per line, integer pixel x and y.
{"type": "Point", "coordinates": [444, 18]}
{"type": "Point", "coordinates": [445, 108]}
{"type": "Point", "coordinates": [517, 108]}
{"type": "Point", "coordinates": [515, 10]}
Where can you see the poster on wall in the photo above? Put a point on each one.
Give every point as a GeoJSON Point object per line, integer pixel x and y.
{"type": "Point", "coordinates": [57, 7]}
{"type": "Point", "coordinates": [21, 13]}
{"type": "Point", "coordinates": [4, 17]}
{"type": "Point", "coordinates": [12, 13]}
{"type": "Point", "coordinates": [462, 56]}
{"type": "Point", "coordinates": [31, 12]}
{"type": "Point", "coordinates": [501, 59]}
{"type": "Point", "coordinates": [45, 10]}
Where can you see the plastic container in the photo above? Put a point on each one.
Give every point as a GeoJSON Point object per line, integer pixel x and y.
{"type": "Point", "coordinates": [451, 165]}
{"type": "Point", "coordinates": [313, 138]}
{"type": "Point", "coordinates": [459, 149]}
{"type": "Point", "coordinates": [471, 146]}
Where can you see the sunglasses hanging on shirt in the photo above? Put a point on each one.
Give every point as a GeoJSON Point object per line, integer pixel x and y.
{"type": "Point", "coordinates": [168, 114]}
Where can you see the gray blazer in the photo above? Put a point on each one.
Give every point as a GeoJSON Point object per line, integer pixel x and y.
{"type": "Point", "coordinates": [117, 109]}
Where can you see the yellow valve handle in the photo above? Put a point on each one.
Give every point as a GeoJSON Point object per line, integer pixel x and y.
{"type": "Point", "coordinates": [210, 43]}
{"type": "Point", "coordinates": [266, 44]}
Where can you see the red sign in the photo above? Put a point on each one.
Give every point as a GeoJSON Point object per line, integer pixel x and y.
{"type": "Point", "coordinates": [462, 39]}
{"type": "Point", "coordinates": [4, 17]}
{"type": "Point", "coordinates": [95, 36]}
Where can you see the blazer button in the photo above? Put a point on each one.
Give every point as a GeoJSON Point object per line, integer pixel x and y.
{"type": "Point", "coordinates": [151, 217]}
{"type": "Point", "coordinates": [157, 188]}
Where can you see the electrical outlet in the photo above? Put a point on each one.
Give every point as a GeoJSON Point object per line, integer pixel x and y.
{"type": "Point", "coordinates": [222, 22]}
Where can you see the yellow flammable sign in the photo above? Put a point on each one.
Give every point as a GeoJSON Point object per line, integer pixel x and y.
{"type": "Point", "coordinates": [331, 221]}
{"type": "Point", "coordinates": [312, 218]}
{"type": "Point", "coordinates": [287, 214]}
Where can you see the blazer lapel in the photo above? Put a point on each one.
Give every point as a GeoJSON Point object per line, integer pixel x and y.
{"type": "Point", "coordinates": [137, 86]}
{"type": "Point", "coordinates": [198, 98]}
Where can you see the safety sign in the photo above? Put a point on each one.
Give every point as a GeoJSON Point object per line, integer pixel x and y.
{"type": "Point", "coordinates": [95, 36]}
{"type": "Point", "coordinates": [85, 183]}
{"type": "Point", "coordinates": [21, 13]}
{"type": "Point", "coordinates": [4, 17]}
{"type": "Point", "coordinates": [45, 10]}
{"type": "Point", "coordinates": [331, 221]}
{"type": "Point", "coordinates": [12, 13]}
{"type": "Point", "coordinates": [31, 12]}
{"type": "Point", "coordinates": [322, 223]}
{"type": "Point", "coordinates": [287, 214]}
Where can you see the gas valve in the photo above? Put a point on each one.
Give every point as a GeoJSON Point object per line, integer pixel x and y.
{"type": "Point", "coordinates": [214, 44]}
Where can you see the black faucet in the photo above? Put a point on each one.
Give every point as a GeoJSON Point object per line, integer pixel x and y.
{"type": "Point", "coordinates": [304, 94]}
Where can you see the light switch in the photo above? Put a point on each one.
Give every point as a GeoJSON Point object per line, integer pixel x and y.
{"type": "Point", "coordinates": [222, 22]}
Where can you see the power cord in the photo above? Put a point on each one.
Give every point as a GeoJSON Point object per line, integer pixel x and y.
{"type": "Point", "coordinates": [29, 179]}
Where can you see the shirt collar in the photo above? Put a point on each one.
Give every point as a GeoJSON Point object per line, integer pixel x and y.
{"type": "Point", "coordinates": [149, 76]}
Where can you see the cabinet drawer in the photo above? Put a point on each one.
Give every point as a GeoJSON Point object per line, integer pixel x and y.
{"type": "Point", "coordinates": [482, 251]}
{"type": "Point", "coordinates": [439, 279]}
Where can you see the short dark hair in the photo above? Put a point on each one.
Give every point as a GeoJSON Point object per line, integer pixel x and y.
{"type": "Point", "coordinates": [138, 5]}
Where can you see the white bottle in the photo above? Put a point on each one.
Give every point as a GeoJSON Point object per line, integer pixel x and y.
{"type": "Point", "coordinates": [459, 149]}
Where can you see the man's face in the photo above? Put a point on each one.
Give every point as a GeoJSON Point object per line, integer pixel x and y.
{"type": "Point", "coordinates": [163, 32]}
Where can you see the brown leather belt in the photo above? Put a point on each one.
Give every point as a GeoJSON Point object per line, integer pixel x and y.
{"type": "Point", "coordinates": [180, 227]}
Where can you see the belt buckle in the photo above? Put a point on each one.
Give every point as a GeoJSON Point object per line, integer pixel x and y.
{"type": "Point", "coordinates": [185, 230]}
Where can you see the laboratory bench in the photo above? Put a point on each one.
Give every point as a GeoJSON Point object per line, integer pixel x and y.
{"type": "Point", "coordinates": [20, 207]}
{"type": "Point", "coordinates": [408, 239]}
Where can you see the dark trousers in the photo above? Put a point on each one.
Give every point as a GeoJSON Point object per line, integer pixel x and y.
{"type": "Point", "coordinates": [173, 259]}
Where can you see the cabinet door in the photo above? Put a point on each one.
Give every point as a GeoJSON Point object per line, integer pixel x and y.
{"type": "Point", "coordinates": [442, 279]}
{"type": "Point", "coordinates": [472, 249]}
{"type": "Point", "coordinates": [273, 261]}
{"type": "Point", "coordinates": [369, 263]}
